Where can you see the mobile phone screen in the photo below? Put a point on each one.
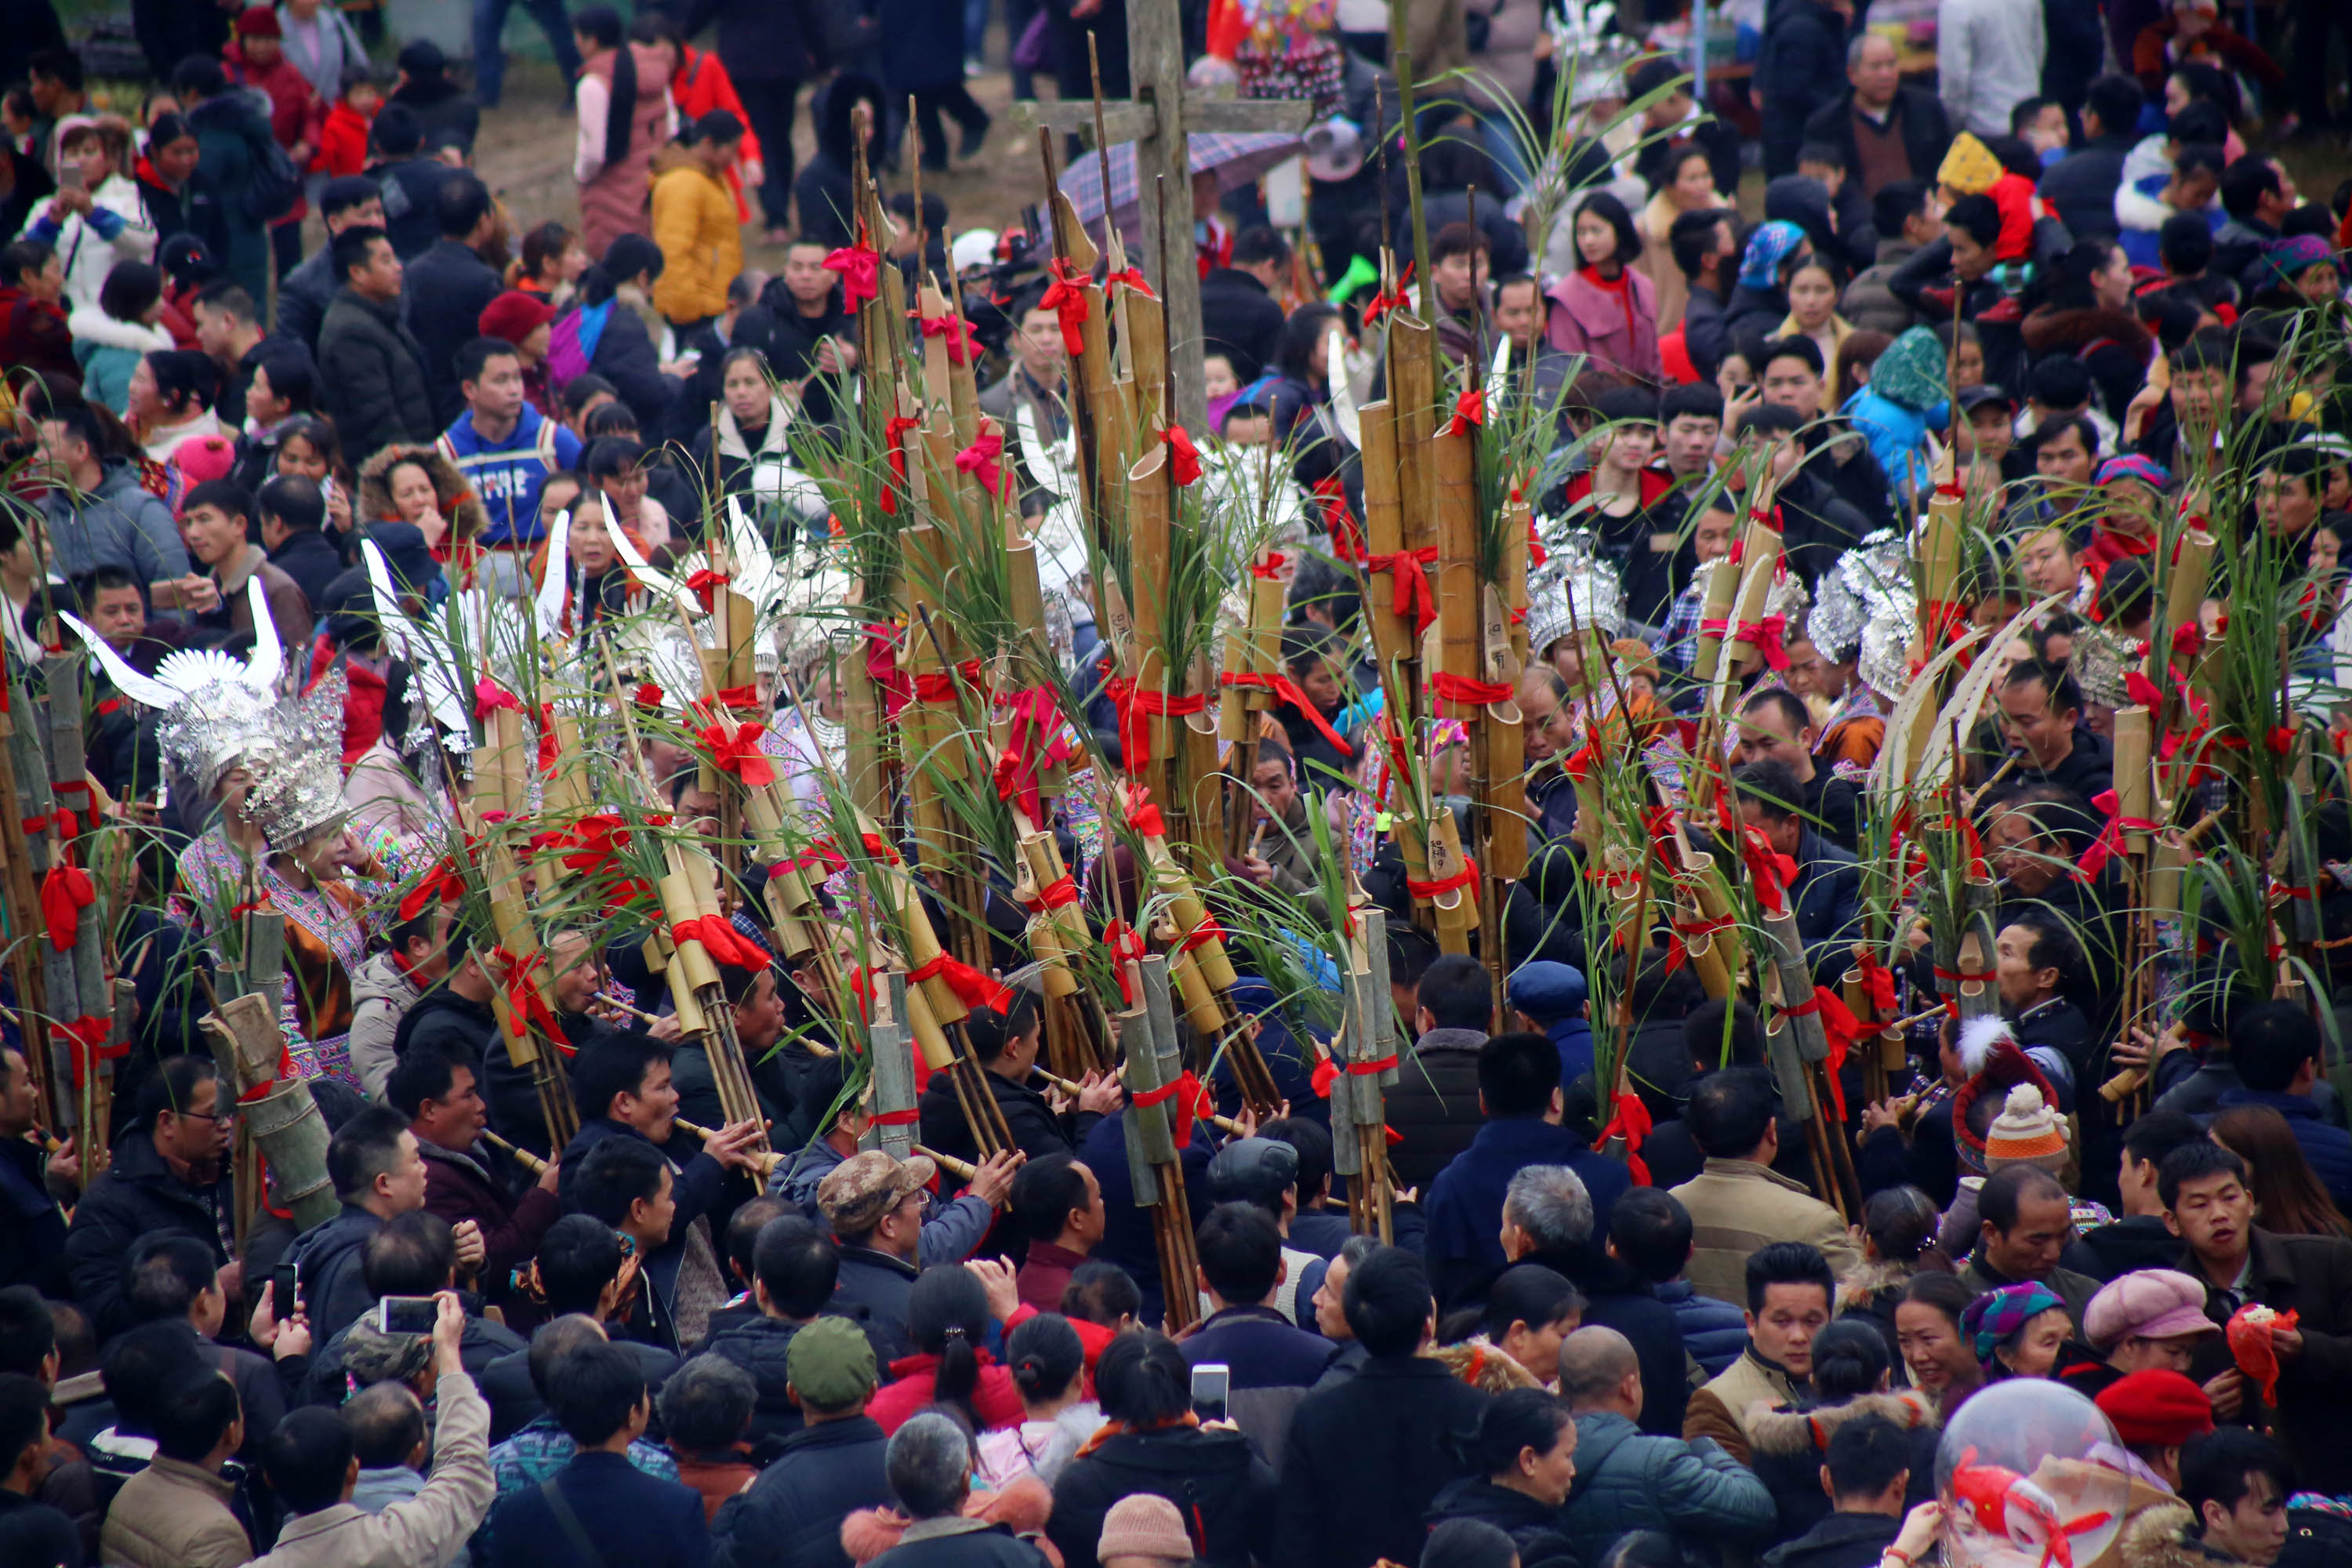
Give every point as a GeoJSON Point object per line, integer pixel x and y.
{"type": "Point", "coordinates": [408, 1315]}
{"type": "Point", "coordinates": [1210, 1381]}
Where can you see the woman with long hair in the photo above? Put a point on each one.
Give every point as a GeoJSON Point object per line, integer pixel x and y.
{"type": "Point", "coordinates": [622, 110]}
{"type": "Point", "coordinates": [2288, 1196]}
{"type": "Point", "coordinates": [310, 447]}
{"type": "Point", "coordinates": [606, 324]}
{"type": "Point", "coordinates": [1687, 185]}
{"type": "Point", "coordinates": [946, 1315]}
{"type": "Point", "coordinates": [1898, 1239]}
{"type": "Point", "coordinates": [1852, 1377]}
{"type": "Point", "coordinates": [1522, 1460]}
{"type": "Point", "coordinates": [1813, 313]}
{"type": "Point", "coordinates": [1152, 1442]}
{"type": "Point", "coordinates": [1606, 307]}
{"type": "Point", "coordinates": [1048, 1364]}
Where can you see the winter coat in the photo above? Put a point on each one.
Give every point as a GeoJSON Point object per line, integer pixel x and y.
{"type": "Point", "coordinates": [2113, 345]}
{"type": "Point", "coordinates": [762, 41]}
{"type": "Point", "coordinates": [821, 192]}
{"type": "Point", "coordinates": [1214, 1476]}
{"type": "Point", "coordinates": [1261, 1348]}
{"type": "Point", "coordinates": [791, 1516]}
{"type": "Point", "coordinates": [34, 336]}
{"type": "Point", "coordinates": [372, 379]}
{"type": "Point", "coordinates": [922, 45]}
{"type": "Point", "coordinates": [953, 1229]}
{"type": "Point", "coordinates": [1788, 1447]}
{"type": "Point", "coordinates": [33, 1239]}
{"type": "Point", "coordinates": [85, 248]}
{"type": "Point", "coordinates": [1839, 1540]}
{"type": "Point", "coordinates": [758, 1346]}
{"type": "Point", "coordinates": [912, 1378]}
{"type": "Point", "coordinates": [109, 352]}
{"type": "Point", "coordinates": [333, 1255]}
{"type": "Point", "coordinates": [961, 1541]}
{"type": "Point", "coordinates": [1464, 1203]}
{"type": "Point", "coordinates": [137, 1194]}
{"type": "Point", "coordinates": [2079, 189]}
{"type": "Point", "coordinates": [628, 1517]}
{"type": "Point", "coordinates": [1801, 67]}
{"type": "Point", "coordinates": [612, 199]}
{"type": "Point", "coordinates": [701, 241]}
{"type": "Point", "coordinates": [1239, 320]}
{"type": "Point", "coordinates": [298, 112]}
{"type": "Point", "coordinates": [1617, 330]}
{"type": "Point", "coordinates": [1534, 1528]}
{"type": "Point", "coordinates": [1036, 1129]}
{"type": "Point", "coordinates": [514, 1399]}
{"type": "Point", "coordinates": [2312, 1277]}
{"type": "Point", "coordinates": [338, 48]}
{"type": "Point", "coordinates": [1365, 1458]}
{"type": "Point", "coordinates": [1020, 1505]}
{"type": "Point", "coordinates": [453, 497]}
{"type": "Point", "coordinates": [1720, 1411]}
{"type": "Point", "coordinates": [503, 482]}
{"type": "Point", "coordinates": [2327, 1146]}
{"type": "Point", "coordinates": [342, 145]}
{"type": "Point", "coordinates": [1869, 303]}
{"type": "Point", "coordinates": [1627, 1479]}
{"type": "Point", "coordinates": [1989, 58]}
{"type": "Point", "coordinates": [442, 299]}
{"type": "Point", "coordinates": [755, 477]}
{"type": "Point", "coordinates": [304, 294]}
{"type": "Point", "coordinates": [412, 194]}
{"type": "Point", "coordinates": [874, 1288]}
{"type": "Point", "coordinates": [441, 105]}
{"type": "Point", "coordinates": [1714, 1333]}
{"type": "Point", "coordinates": [429, 1527]}
{"type": "Point", "coordinates": [625, 357]}
{"type": "Point", "coordinates": [1434, 1106]}
{"type": "Point", "coordinates": [173, 1514]}
{"type": "Point", "coordinates": [232, 141]}
{"type": "Point", "coordinates": [461, 1184]}
{"type": "Point", "coordinates": [1927, 133]}
{"type": "Point", "coordinates": [381, 993]}
{"type": "Point", "coordinates": [1616, 1298]}
{"type": "Point", "coordinates": [2165, 1536]}
{"type": "Point", "coordinates": [1736, 1207]}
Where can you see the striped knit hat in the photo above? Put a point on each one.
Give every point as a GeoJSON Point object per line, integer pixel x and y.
{"type": "Point", "coordinates": [2028, 1131]}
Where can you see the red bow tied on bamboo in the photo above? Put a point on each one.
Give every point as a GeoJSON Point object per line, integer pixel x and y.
{"type": "Point", "coordinates": [1764, 636]}
{"type": "Point", "coordinates": [980, 461]}
{"type": "Point", "coordinates": [1067, 298]}
{"type": "Point", "coordinates": [720, 940]}
{"type": "Point", "coordinates": [1629, 1119]}
{"type": "Point", "coordinates": [1466, 878]}
{"type": "Point", "coordinates": [1839, 1027]}
{"type": "Point", "coordinates": [1381, 304]}
{"type": "Point", "coordinates": [1467, 692]}
{"type": "Point", "coordinates": [596, 840]}
{"type": "Point", "coordinates": [860, 267]}
{"type": "Point", "coordinates": [2143, 693]}
{"type": "Point", "coordinates": [1774, 872]}
{"type": "Point", "coordinates": [1127, 949]}
{"type": "Point", "coordinates": [819, 856]}
{"type": "Point", "coordinates": [894, 436]}
{"type": "Point", "coordinates": [1409, 590]}
{"type": "Point", "coordinates": [439, 885]}
{"type": "Point", "coordinates": [525, 1005]}
{"type": "Point", "coordinates": [1144, 816]}
{"type": "Point", "coordinates": [1130, 278]}
{"type": "Point", "coordinates": [489, 697]}
{"type": "Point", "coordinates": [1877, 984]}
{"type": "Point", "coordinates": [738, 752]}
{"type": "Point", "coordinates": [86, 1037]}
{"type": "Point", "coordinates": [1183, 458]}
{"type": "Point", "coordinates": [972, 988]}
{"type": "Point", "coordinates": [1191, 1099]}
{"type": "Point", "coordinates": [1469, 409]}
{"type": "Point", "coordinates": [1034, 741]}
{"type": "Point", "coordinates": [648, 695]}
{"type": "Point", "coordinates": [1270, 569]}
{"type": "Point", "coordinates": [739, 699]}
{"type": "Point", "coordinates": [1286, 690]}
{"type": "Point", "coordinates": [1136, 709]}
{"type": "Point", "coordinates": [950, 327]}
{"type": "Point", "coordinates": [66, 891]}
{"type": "Point", "coordinates": [2110, 841]}
{"type": "Point", "coordinates": [705, 583]}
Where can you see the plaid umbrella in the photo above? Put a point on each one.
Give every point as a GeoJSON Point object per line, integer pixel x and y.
{"type": "Point", "coordinates": [1238, 158]}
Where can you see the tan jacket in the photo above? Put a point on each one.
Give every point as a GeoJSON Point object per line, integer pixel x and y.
{"type": "Point", "coordinates": [1737, 1207]}
{"type": "Point", "coordinates": [1720, 1410]}
{"type": "Point", "coordinates": [173, 1515]}
{"type": "Point", "coordinates": [423, 1531]}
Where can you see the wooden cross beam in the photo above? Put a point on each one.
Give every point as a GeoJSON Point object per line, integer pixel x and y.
{"type": "Point", "coordinates": [1159, 119]}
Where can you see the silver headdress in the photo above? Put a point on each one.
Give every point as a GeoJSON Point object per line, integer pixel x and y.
{"type": "Point", "coordinates": [1851, 589]}
{"type": "Point", "coordinates": [1894, 625]}
{"type": "Point", "coordinates": [213, 704]}
{"type": "Point", "coordinates": [1788, 600]}
{"type": "Point", "coordinates": [295, 760]}
{"type": "Point", "coordinates": [2100, 660]}
{"type": "Point", "coordinates": [1573, 591]}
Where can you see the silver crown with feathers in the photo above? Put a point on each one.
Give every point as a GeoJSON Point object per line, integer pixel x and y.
{"type": "Point", "coordinates": [1574, 589]}
{"type": "Point", "coordinates": [2101, 660]}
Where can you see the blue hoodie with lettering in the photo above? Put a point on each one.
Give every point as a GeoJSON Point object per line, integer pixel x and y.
{"type": "Point", "coordinates": [507, 476]}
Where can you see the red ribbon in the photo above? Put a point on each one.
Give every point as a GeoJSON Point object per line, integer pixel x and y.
{"type": "Point", "coordinates": [1125, 944]}
{"type": "Point", "coordinates": [1877, 984]}
{"type": "Point", "coordinates": [1468, 694]}
{"type": "Point", "coordinates": [1774, 873]}
{"type": "Point", "coordinates": [817, 855]}
{"type": "Point", "coordinates": [1629, 1119]}
{"type": "Point", "coordinates": [2110, 841]}
{"type": "Point", "coordinates": [1286, 690]}
{"type": "Point", "coordinates": [66, 891]}
{"type": "Point", "coordinates": [740, 699]}
{"type": "Point", "coordinates": [1469, 409]}
{"type": "Point", "coordinates": [88, 1035]}
{"type": "Point", "coordinates": [894, 435]}
{"type": "Point", "coordinates": [1201, 935]}
{"type": "Point", "coordinates": [720, 940]}
{"type": "Point", "coordinates": [972, 988]}
{"type": "Point", "coordinates": [860, 267]}
{"type": "Point", "coordinates": [1381, 304]}
{"type": "Point", "coordinates": [1135, 708]}
{"type": "Point", "coordinates": [525, 1005]}
{"type": "Point", "coordinates": [1035, 741]}
{"type": "Point", "coordinates": [1409, 590]}
{"type": "Point", "coordinates": [1192, 1100]}
{"type": "Point", "coordinates": [489, 697]}
{"type": "Point", "coordinates": [2143, 691]}
{"type": "Point", "coordinates": [1183, 458]}
{"type": "Point", "coordinates": [1270, 569]}
{"type": "Point", "coordinates": [1067, 298]}
{"type": "Point", "coordinates": [706, 585]}
{"type": "Point", "coordinates": [739, 753]}
{"type": "Point", "coordinates": [1466, 878]}
{"type": "Point", "coordinates": [648, 695]}
{"type": "Point", "coordinates": [1144, 816]}
{"type": "Point", "coordinates": [1131, 279]}
{"type": "Point", "coordinates": [950, 327]}
{"type": "Point", "coordinates": [980, 461]}
{"type": "Point", "coordinates": [1841, 1029]}
{"type": "Point", "coordinates": [439, 885]}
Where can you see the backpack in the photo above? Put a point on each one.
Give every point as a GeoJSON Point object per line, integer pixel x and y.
{"type": "Point", "coordinates": [277, 183]}
{"type": "Point", "coordinates": [571, 343]}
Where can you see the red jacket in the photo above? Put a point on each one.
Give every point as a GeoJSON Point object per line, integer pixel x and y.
{"type": "Point", "coordinates": [702, 85]}
{"type": "Point", "coordinates": [342, 142]}
{"type": "Point", "coordinates": [296, 110]}
{"type": "Point", "coordinates": [994, 1399]}
{"type": "Point", "coordinates": [32, 335]}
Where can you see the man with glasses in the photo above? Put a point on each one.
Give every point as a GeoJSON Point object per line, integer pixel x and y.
{"type": "Point", "coordinates": [170, 1174]}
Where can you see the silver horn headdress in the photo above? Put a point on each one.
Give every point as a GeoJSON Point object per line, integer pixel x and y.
{"type": "Point", "coordinates": [213, 704]}
{"type": "Point", "coordinates": [1574, 589]}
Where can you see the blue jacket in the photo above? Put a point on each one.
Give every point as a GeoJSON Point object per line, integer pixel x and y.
{"type": "Point", "coordinates": [698, 1181]}
{"type": "Point", "coordinates": [2327, 1146]}
{"type": "Point", "coordinates": [1573, 1040]}
{"type": "Point", "coordinates": [1829, 905]}
{"type": "Point", "coordinates": [509, 475]}
{"type": "Point", "coordinates": [1714, 1331]}
{"type": "Point", "coordinates": [1262, 1349]}
{"type": "Point", "coordinates": [1466, 1202]}
{"type": "Point", "coordinates": [628, 1516]}
{"type": "Point", "coordinates": [1897, 435]}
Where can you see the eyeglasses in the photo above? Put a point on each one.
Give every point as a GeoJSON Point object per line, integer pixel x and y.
{"type": "Point", "coordinates": [215, 1117]}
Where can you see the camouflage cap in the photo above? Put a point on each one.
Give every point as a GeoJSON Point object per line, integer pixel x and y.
{"type": "Point", "coordinates": [830, 1363]}
{"type": "Point", "coordinates": [869, 1185]}
{"type": "Point", "coordinates": [372, 1356]}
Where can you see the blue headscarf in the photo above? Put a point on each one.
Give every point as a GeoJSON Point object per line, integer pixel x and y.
{"type": "Point", "coordinates": [1768, 248]}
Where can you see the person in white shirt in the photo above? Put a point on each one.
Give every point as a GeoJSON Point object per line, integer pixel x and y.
{"type": "Point", "coordinates": [1988, 55]}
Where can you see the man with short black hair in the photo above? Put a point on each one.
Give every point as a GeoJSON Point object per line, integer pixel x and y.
{"type": "Point", "coordinates": [2024, 1221]}
{"type": "Point", "coordinates": [503, 445]}
{"type": "Point", "coordinates": [32, 1534]}
{"type": "Point", "coordinates": [2275, 1047]}
{"type": "Point", "coordinates": [349, 201]}
{"type": "Point", "coordinates": [1365, 1456]}
{"type": "Point", "coordinates": [1866, 1471]}
{"type": "Point", "coordinates": [1826, 890]}
{"type": "Point", "coordinates": [1433, 1107]}
{"type": "Point", "coordinates": [795, 1267]}
{"type": "Point", "coordinates": [32, 1249]}
{"type": "Point", "coordinates": [1241, 310]}
{"type": "Point", "coordinates": [313, 1469]}
{"type": "Point", "coordinates": [2041, 716]}
{"type": "Point", "coordinates": [374, 381]}
{"type": "Point", "coordinates": [175, 1513]}
{"type": "Point", "coordinates": [1057, 1204]}
{"type": "Point", "coordinates": [1706, 249]}
{"type": "Point", "coordinates": [2079, 189]}
{"type": "Point", "coordinates": [832, 1465]}
{"type": "Point", "coordinates": [95, 513]}
{"type": "Point", "coordinates": [1788, 1289]}
{"type": "Point", "coordinates": [170, 1278]}
{"type": "Point", "coordinates": [1241, 1267]}
{"type": "Point", "coordinates": [445, 287]}
{"type": "Point", "coordinates": [410, 178]}
{"type": "Point", "coordinates": [170, 1172]}
{"type": "Point", "coordinates": [1738, 1203]}
{"type": "Point", "coordinates": [293, 511]}
{"type": "Point", "coordinates": [377, 1174]}
{"type": "Point", "coordinates": [2036, 964]}
{"type": "Point", "coordinates": [465, 1182]}
{"type": "Point", "coordinates": [2235, 1484]}
{"type": "Point", "coordinates": [2137, 1239]}
{"type": "Point", "coordinates": [1775, 726]}
{"type": "Point", "coordinates": [1906, 214]}
{"type": "Point", "coordinates": [214, 519]}
{"type": "Point", "coordinates": [229, 332]}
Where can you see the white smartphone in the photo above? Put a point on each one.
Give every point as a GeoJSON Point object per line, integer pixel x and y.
{"type": "Point", "coordinates": [1211, 1382]}
{"type": "Point", "coordinates": [407, 1314]}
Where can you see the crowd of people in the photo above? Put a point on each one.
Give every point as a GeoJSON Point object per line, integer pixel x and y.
{"type": "Point", "coordinates": [683, 1338]}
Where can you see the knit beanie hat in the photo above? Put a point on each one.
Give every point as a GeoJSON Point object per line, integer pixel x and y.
{"type": "Point", "coordinates": [1995, 1064]}
{"type": "Point", "coordinates": [1144, 1524]}
{"type": "Point", "coordinates": [1911, 371]}
{"type": "Point", "coordinates": [2157, 1408]}
{"type": "Point", "coordinates": [2026, 1132]}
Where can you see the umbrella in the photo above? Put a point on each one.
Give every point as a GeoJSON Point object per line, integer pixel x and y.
{"type": "Point", "coordinates": [1239, 158]}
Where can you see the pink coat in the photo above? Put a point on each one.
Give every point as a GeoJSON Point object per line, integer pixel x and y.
{"type": "Point", "coordinates": [1588, 320]}
{"type": "Point", "coordinates": [614, 202]}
